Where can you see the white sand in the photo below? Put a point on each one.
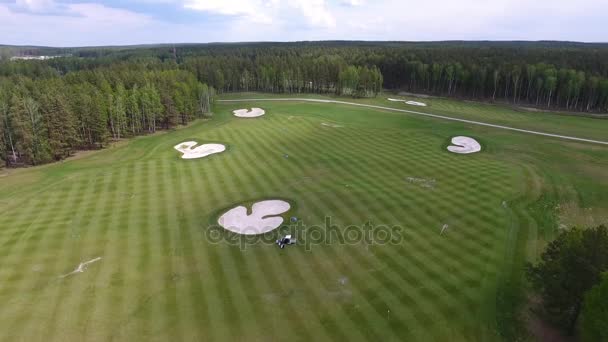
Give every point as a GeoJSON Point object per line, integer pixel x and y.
{"type": "Point", "coordinates": [263, 218]}
{"type": "Point", "coordinates": [81, 267]}
{"type": "Point", "coordinates": [253, 113]}
{"type": "Point", "coordinates": [412, 103]}
{"type": "Point", "coordinates": [464, 145]}
{"type": "Point", "coordinates": [191, 152]}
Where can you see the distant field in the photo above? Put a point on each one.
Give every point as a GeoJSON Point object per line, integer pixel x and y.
{"type": "Point", "coordinates": [146, 212]}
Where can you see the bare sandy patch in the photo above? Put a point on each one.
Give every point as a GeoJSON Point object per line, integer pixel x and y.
{"type": "Point", "coordinates": [81, 267]}
{"type": "Point", "coordinates": [330, 125]}
{"type": "Point", "coordinates": [464, 145]}
{"type": "Point", "coordinates": [190, 152]}
{"type": "Point", "coordinates": [264, 217]}
{"type": "Point", "coordinates": [246, 113]}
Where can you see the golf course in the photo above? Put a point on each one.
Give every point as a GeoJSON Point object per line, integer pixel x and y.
{"type": "Point", "coordinates": [122, 243]}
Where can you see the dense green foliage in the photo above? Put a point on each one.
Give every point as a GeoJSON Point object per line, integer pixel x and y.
{"type": "Point", "coordinates": [47, 118]}
{"type": "Point", "coordinates": [595, 312]}
{"type": "Point", "coordinates": [568, 76]}
{"type": "Point", "coordinates": [569, 267]}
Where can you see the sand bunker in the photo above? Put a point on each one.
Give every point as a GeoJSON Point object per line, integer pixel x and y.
{"type": "Point", "coordinates": [264, 218]}
{"type": "Point", "coordinates": [464, 145]}
{"type": "Point", "coordinates": [81, 267]}
{"type": "Point", "coordinates": [412, 103]}
{"type": "Point", "coordinates": [246, 113]}
{"type": "Point", "coordinates": [191, 152]}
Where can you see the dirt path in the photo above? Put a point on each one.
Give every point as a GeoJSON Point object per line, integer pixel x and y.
{"type": "Point", "coordinates": [479, 123]}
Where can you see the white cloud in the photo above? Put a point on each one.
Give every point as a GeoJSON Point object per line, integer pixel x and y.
{"type": "Point", "coordinates": [228, 7]}
{"type": "Point", "coordinates": [63, 22]}
{"type": "Point", "coordinates": [76, 24]}
{"type": "Point", "coordinates": [35, 5]}
{"type": "Point", "coordinates": [315, 12]}
{"type": "Point", "coordinates": [352, 2]}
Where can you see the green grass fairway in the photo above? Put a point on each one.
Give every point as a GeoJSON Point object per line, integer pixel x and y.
{"type": "Point", "coordinates": [146, 212]}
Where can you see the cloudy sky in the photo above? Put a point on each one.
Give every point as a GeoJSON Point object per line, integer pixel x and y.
{"type": "Point", "coordinates": [121, 22]}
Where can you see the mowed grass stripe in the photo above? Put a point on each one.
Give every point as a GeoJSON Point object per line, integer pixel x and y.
{"type": "Point", "coordinates": [54, 264]}
{"type": "Point", "coordinates": [63, 258]}
{"type": "Point", "coordinates": [77, 296]}
{"type": "Point", "coordinates": [263, 168]}
{"type": "Point", "coordinates": [330, 324]}
{"type": "Point", "coordinates": [385, 178]}
{"type": "Point", "coordinates": [162, 239]}
{"type": "Point", "coordinates": [340, 213]}
{"type": "Point", "coordinates": [352, 266]}
{"type": "Point", "coordinates": [253, 164]}
{"type": "Point", "coordinates": [180, 213]}
{"type": "Point", "coordinates": [146, 290]}
{"type": "Point", "coordinates": [430, 199]}
{"type": "Point", "coordinates": [33, 288]}
{"type": "Point", "coordinates": [174, 219]}
{"type": "Point", "coordinates": [425, 263]}
{"type": "Point", "coordinates": [19, 233]}
{"type": "Point", "coordinates": [220, 307]}
{"type": "Point", "coordinates": [380, 311]}
{"type": "Point", "coordinates": [123, 300]}
{"type": "Point", "coordinates": [253, 287]}
{"type": "Point", "coordinates": [356, 318]}
{"type": "Point", "coordinates": [96, 245]}
{"type": "Point", "coordinates": [105, 304]}
{"type": "Point", "coordinates": [194, 242]}
{"type": "Point", "coordinates": [291, 264]}
{"type": "Point", "coordinates": [272, 175]}
{"type": "Point", "coordinates": [240, 310]}
{"type": "Point", "coordinates": [135, 297]}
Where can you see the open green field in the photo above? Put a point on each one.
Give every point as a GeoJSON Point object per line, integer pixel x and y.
{"type": "Point", "coordinates": [146, 213]}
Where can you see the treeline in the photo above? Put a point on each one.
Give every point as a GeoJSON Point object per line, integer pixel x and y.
{"type": "Point", "coordinates": [285, 72]}
{"type": "Point", "coordinates": [571, 76]}
{"type": "Point", "coordinates": [48, 118]}
{"type": "Point", "coordinates": [548, 74]}
{"type": "Point", "coordinates": [541, 85]}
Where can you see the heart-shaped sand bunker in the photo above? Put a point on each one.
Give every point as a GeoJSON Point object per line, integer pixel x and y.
{"type": "Point", "coordinates": [191, 152]}
{"type": "Point", "coordinates": [246, 113]}
{"type": "Point", "coordinates": [464, 145]}
{"type": "Point", "coordinates": [264, 218]}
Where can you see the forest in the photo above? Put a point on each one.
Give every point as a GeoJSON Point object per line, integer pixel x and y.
{"type": "Point", "coordinates": [51, 108]}
{"type": "Point", "coordinates": [49, 118]}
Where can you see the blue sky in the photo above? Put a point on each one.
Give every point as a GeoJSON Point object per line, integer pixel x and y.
{"type": "Point", "coordinates": [114, 22]}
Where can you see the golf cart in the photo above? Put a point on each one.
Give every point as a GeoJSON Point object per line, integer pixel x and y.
{"type": "Point", "coordinates": [286, 240]}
